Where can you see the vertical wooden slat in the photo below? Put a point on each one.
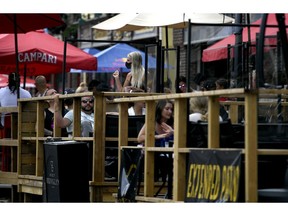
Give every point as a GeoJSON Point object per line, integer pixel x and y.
{"type": "Point", "coordinates": [122, 130]}
{"type": "Point", "coordinates": [19, 161]}
{"type": "Point", "coordinates": [233, 113]}
{"type": "Point", "coordinates": [149, 142]}
{"type": "Point", "coordinates": [40, 133]}
{"type": "Point", "coordinates": [76, 117]}
{"type": "Point", "coordinates": [213, 122]}
{"type": "Point", "coordinates": [98, 147]}
{"type": "Point", "coordinates": [180, 134]}
{"type": "Point", "coordinates": [56, 129]}
{"type": "Point", "coordinates": [251, 143]}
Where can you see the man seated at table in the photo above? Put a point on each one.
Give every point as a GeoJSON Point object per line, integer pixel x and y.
{"type": "Point", "coordinates": [87, 116]}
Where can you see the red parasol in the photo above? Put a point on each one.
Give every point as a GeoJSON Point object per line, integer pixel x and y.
{"type": "Point", "coordinates": [218, 50]}
{"type": "Point", "coordinates": [41, 53]}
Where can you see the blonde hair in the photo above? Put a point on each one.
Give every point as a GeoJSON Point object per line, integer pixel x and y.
{"type": "Point", "coordinates": [199, 105]}
{"type": "Point", "coordinates": [82, 88]}
{"type": "Point", "coordinates": [137, 70]}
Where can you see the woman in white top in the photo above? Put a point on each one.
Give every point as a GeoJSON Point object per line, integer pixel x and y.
{"type": "Point", "coordinates": [199, 109]}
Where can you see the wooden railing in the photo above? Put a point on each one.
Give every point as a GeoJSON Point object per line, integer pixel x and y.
{"type": "Point", "coordinates": [31, 138]}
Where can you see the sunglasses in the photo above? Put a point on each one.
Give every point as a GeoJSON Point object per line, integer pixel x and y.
{"type": "Point", "coordinates": [86, 101]}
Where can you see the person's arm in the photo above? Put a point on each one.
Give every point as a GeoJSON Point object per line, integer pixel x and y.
{"type": "Point", "coordinates": [117, 80]}
{"type": "Point", "coordinates": [168, 132]}
{"type": "Point", "coordinates": [141, 135]}
{"type": "Point", "coordinates": [60, 121]}
{"type": "Point", "coordinates": [167, 129]}
{"type": "Point", "coordinates": [127, 82]}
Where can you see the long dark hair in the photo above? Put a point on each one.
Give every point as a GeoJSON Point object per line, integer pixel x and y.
{"type": "Point", "coordinates": [158, 113]}
{"type": "Point", "coordinates": [13, 82]}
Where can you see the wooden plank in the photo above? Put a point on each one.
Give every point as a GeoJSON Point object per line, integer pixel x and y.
{"type": "Point", "coordinates": [8, 178]}
{"type": "Point", "coordinates": [179, 161]}
{"type": "Point", "coordinates": [152, 199]}
{"type": "Point", "coordinates": [28, 127]}
{"type": "Point", "coordinates": [28, 147]}
{"type": "Point", "coordinates": [272, 152]}
{"type": "Point", "coordinates": [213, 123]}
{"type": "Point", "coordinates": [39, 158]}
{"type": "Point", "coordinates": [28, 159]}
{"type": "Point", "coordinates": [30, 177]}
{"type": "Point", "coordinates": [28, 117]}
{"type": "Point", "coordinates": [149, 142]}
{"type": "Point", "coordinates": [9, 109]}
{"type": "Point", "coordinates": [27, 169]}
{"type": "Point", "coordinates": [30, 190]}
{"type": "Point", "coordinates": [76, 117]}
{"type": "Point", "coordinates": [251, 140]}
{"type": "Point", "coordinates": [233, 113]}
{"type": "Point", "coordinates": [31, 182]}
{"type": "Point", "coordinates": [122, 130]}
{"type": "Point", "coordinates": [98, 172]}
{"type": "Point", "coordinates": [28, 135]}
{"type": "Point", "coordinates": [9, 142]}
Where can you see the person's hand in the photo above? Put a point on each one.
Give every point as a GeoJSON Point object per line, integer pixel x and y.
{"type": "Point", "coordinates": [116, 74]}
{"type": "Point", "coordinates": [127, 89]}
{"type": "Point", "coordinates": [167, 129]}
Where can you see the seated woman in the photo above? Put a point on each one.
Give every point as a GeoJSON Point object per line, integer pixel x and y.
{"type": "Point", "coordinates": [199, 109]}
{"type": "Point", "coordinates": [164, 124]}
{"type": "Point", "coordinates": [164, 132]}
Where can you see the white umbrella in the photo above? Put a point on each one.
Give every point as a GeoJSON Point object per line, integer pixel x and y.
{"type": "Point", "coordinates": [134, 21]}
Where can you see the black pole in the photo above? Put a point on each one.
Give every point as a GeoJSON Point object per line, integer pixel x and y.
{"type": "Point", "coordinates": [260, 53]}
{"type": "Point", "coordinates": [16, 54]}
{"type": "Point", "coordinates": [64, 66]}
{"type": "Point", "coordinates": [146, 68]}
{"type": "Point", "coordinates": [237, 73]}
{"type": "Point", "coordinates": [25, 74]}
{"type": "Point", "coordinates": [177, 70]}
{"type": "Point", "coordinates": [283, 38]}
{"type": "Point", "coordinates": [188, 56]}
{"type": "Point", "coordinates": [159, 70]}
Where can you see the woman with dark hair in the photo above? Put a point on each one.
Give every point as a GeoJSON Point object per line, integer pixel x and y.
{"type": "Point", "coordinates": [8, 94]}
{"type": "Point", "coordinates": [164, 132]}
{"type": "Point", "coordinates": [164, 124]}
{"type": "Point", "coordinates": [8, 98]}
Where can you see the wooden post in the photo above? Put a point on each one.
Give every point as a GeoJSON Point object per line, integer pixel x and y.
{"type": "Point", "coordinates": [122, 130]}
{"type": "Point", "coordinates": [149, 155]}
{"type": "Point", "coordinates": [180, 134]}
{"type": "Point", "coordinates": [98, 148]}
{"type": "Point", "coordinates": [251, 143]}
{"type": "Point", "coordinates": [213, 122]}
{"type": "Point", "coordinates": [40, 133]}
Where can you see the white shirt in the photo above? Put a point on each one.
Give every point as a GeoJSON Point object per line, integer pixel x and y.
{"type": "Point", "coordinates": [9, 99]}
{"type": "Point", "coordinates": [195, 117]}
{"type": "Point", "coordinates": [131, 111]}
{"type": "Point", "coordinates": [84, 117]}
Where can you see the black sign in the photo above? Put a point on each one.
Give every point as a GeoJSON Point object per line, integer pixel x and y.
{"type": "Point", "coordinates": [129, 174]}
{"type": "Point", "coordinates": [213, 176]}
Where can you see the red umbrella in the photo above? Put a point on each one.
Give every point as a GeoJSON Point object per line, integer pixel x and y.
{"type": "Point", "coordinates": [219, 50]}
{"type": "Point", "coordinates": [21, 23]}
{"type": "Point", "coordinates": [4, 81]}
{"type": "Point", "coordinates": [41, 53]}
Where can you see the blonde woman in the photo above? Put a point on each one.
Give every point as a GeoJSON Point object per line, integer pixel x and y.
{"type": "Point", "coordinates": [199, 109]}
{"type": "Point", "coordinates": [82, 88]}
{"type": "Point", "coordinates": [135, 78]}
